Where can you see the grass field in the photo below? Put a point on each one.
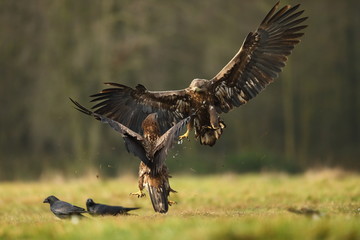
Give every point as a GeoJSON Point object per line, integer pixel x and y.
{"type": "Point", "coordinates": [209, 207]}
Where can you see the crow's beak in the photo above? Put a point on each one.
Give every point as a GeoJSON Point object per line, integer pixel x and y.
{"type": "Point", "coordinates": [45, 201]}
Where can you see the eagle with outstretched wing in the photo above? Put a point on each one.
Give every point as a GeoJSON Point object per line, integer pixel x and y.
{"type": "Point", "coordinates": [258, 62]}
{"type": "Point", "coordinates": [152, 148]}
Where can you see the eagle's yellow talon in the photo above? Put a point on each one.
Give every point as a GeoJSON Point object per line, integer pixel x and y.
{"type": "Point", "coordinates": [171, 202]}
{"type": "Point", "coordinates": [139, 194]}
{"type": "Point", "coordinates": [185, 135]}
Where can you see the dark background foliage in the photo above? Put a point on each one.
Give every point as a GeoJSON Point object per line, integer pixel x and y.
{"type": "Point", "coordinates": [52, 50]}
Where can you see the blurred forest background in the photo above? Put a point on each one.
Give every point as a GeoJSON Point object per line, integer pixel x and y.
{"type": "Point", "coordinates": [53, 50]}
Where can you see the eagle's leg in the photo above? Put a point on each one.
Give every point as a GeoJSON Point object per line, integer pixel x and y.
{"type": "Point", "coordinates": [169, 201]}
{"type": "Point", "coordinates": [189, 127]}
{"type": "Point", "coordinates": [215, 121]}
{"type": "Point", "coordinates": [142, 172]}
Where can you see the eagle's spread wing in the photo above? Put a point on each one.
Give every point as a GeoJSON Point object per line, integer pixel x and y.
{"type": "Point", "coordinates": [166, 141]}
{"type": "Point", "coordinates": [133, 141]}
{"type": "Point", "coordinates": [259, 60]}
{"type": "Point", "coordinates": [130, 106]}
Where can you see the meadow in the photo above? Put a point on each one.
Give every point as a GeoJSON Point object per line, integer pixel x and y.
{"type": "Point", "coordinates": [229, 206]}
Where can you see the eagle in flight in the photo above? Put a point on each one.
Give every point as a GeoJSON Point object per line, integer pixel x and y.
{"type": "Point", "coordinates": [258, 62]}
{"type": "Point", "coordinates": [152, 149]}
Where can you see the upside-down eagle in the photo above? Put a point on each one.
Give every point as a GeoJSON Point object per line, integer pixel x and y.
{"type": "Point", "coordinates": [152, 148]}
{"type": "Point", "coordinates": [261, 57]}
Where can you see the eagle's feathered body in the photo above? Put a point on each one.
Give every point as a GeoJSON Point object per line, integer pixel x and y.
{"type": "Point", "coordinates": [152, 148]}
{"type": "Point", "coordinates": [151, 133]}
{"type": "Point", "coordinates": [260, 59]}
{"type": "Point", "coordinates": [206, 122]}
{"type": "Point", "coordinates": [156, 181]}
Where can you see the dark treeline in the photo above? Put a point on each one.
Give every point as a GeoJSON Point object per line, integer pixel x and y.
{"type": "Point", "coordinates": [52, 50]}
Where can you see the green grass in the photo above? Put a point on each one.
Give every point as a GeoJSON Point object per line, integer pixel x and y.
{"type": "Point", "coordinates": [209, 207]}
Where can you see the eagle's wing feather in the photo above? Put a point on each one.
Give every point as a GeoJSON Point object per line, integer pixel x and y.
{"type": "Point", "coordinates": [166, 141]}
{"type": "Point", "coordinates": [259, 60]}
{"type": "Point", "coordinates": [133, 141]}
{"type": "Point", "coordinates": [130, 106]}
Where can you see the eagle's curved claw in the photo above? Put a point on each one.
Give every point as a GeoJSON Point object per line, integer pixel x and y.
{"type": "Point", "coordinates": [211, 127]}
{"type": "Point", "coordinates": [139, 194]}
{"type": "Point", "coordinates": [171, 202]}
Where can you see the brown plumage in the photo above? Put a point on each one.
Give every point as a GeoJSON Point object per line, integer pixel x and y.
{"type": "Point", "coordinates": [261, 57]}
{"type": "Point", "coordinates": [152, 148]}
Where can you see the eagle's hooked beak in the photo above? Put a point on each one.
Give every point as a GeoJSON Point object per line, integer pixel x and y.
{"type": "Point", "coordinates": [198, 90]}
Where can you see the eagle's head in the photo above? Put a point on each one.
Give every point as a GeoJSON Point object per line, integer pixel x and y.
{"type": "Point", "coordinates": [152, 117]}
{"type": "Point", "coordinates": [150, 125]}
{"type": "Point", "coordinates": [198, 85]}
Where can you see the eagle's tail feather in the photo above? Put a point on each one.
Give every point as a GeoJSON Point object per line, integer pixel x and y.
{"type": "Point", "coordinates": [159, 198]}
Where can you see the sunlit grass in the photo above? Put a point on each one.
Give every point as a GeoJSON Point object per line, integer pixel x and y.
{"type": "Point", "coordinates": [209, 207]}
